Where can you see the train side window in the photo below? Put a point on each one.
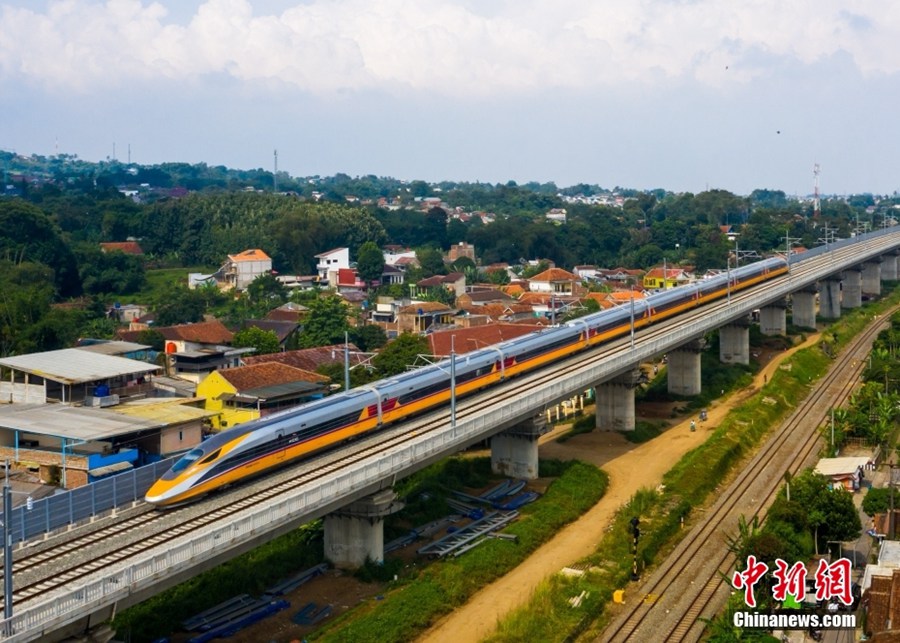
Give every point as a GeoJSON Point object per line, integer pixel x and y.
{"type": "Point", "coordinates": [212, 456]}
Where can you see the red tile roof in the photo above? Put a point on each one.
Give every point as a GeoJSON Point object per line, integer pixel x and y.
{"type": "Point", "coordinates": [245, 378]}
{"type": "Point", "coordinates": [206, 332]}
{"type": "Point", "coordinates": [309, 359]}
{"type": "Point", "coordinates": [466, 340]}
{"type": "Point", "coordinates": [254, 254]}
{"type": "Point", "coordinates": [555, 274]}
{"type": "Point", "coordinates": [128, 247]}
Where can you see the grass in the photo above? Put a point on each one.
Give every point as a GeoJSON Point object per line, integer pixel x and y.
{"type": "Point", "coordinates": [409, 609]}
{"type": "Point", "coordinates": [549, 617]}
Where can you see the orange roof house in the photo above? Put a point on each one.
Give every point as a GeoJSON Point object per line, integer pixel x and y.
{"type": "Point", "coordinates": [244, 267]}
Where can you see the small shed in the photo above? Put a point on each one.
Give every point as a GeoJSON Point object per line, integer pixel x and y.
{"type": "Point", "coordinates": [846, 472]}
{"type": "Point", "coordinates": [73, 375]}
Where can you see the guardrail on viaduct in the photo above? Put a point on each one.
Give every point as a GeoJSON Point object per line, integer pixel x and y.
{"type": "Point", "coordinates": [115, 585]}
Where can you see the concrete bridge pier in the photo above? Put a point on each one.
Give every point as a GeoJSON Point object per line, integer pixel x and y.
{"type": "Point", "coordinates": [514, 452]}
{"type": "Point", "coordinates": [871, 277]}
{"type": "Point", "coordinates": [773, 318]}
{"type": "Point", "coordinates": [803, 308]}
{"type": "Point", "coordinates": [889, 266]}
{"type": "Point", "coordinates": [734, 342]}
{"type": "Point", "coordinates": [830, 298]}
{"type": "Point", "coordinates": [683, 368]}
{"type": "Point", "coordinates": [615, 401]}
{"type": "Point", "coordinates": [356, 532]}
{"type": "Point", "coordinates": [851, 296]}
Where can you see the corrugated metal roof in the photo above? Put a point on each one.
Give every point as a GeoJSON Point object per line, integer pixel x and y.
{"type": "Point", "coordinates": [74, 366]}
{"type": "Point", "coordinates": [840, 466]}
{"type": "Point", "coordinates": [114, 348]}
{"type": "Point", "coordinates": [71, 422]}
{"type": "Point", "coordinates": [278, 391]}
{"type": "Point", "coordinates": [162, 412]}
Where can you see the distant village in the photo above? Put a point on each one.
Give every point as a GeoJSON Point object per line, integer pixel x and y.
{"type": "Point", "coordinates": [77, 415]}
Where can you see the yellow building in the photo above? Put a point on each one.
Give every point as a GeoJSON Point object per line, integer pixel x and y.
{"type": "Point", "coordinates": [658, 279]}
{"type": "Point", "coordinates": [246, 393]}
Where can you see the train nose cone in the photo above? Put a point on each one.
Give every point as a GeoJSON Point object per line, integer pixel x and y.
{"type": "Point", "coordinates": [158, 494]}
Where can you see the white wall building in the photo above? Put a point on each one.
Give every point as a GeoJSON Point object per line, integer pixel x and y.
{"type": "Point", "coordinates": [331, 262]}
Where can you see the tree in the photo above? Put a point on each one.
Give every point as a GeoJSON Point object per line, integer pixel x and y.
{"type": "Point", "coordinates": [431, 262]}
{"type": "Point", "coordinates": [397, 356]}
{"type": "Point", "coordinates": [152, 338]}
{"type": "Point", "coordinates": [178, 304]}
{"type": "Point", "coordinates": [27, 234]}
{"type": "Point", "coordinates": [878, 500]}
{"type": "Point", "coordinates": [266, 292]}
{"type": "Point", "coordinates": [325, 323]}
{"type": "Point", "coordinates": [264, 341]}
{"type": "Point", "coordinates": [368, 337]}
{"type": "Point", "coordinates": [370, 262]}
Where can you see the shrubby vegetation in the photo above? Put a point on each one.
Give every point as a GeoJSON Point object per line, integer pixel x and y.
{"type": "Point", "coordinates": [194, 215]}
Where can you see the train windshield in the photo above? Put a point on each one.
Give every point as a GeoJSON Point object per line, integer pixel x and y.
{"type": "Point", "coordinates": [190, 458]}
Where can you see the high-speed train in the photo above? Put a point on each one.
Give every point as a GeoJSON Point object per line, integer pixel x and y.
{"type": "Point", "coordinates": [255, 447]}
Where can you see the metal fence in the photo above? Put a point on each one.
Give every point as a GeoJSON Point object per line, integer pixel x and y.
{"type": "Point", "coordinates": [140, 573]}
{"type": "Point", "coordinates": [54, 512]}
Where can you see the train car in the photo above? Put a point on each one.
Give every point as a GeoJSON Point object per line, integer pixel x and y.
{"type": "Point", "coordinates": [253, 448]}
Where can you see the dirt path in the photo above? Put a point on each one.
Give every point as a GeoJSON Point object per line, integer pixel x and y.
{"type": "Point", "coordinates": [630, 467]}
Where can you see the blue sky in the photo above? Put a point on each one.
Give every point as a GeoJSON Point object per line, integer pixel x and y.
{"type": "Point", "coordinates": [677, 94]}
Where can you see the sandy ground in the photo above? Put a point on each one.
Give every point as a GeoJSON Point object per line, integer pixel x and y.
{"type": "Point", "coordinates": [630, 467]}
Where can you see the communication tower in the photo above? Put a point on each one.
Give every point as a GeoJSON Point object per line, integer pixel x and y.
{"type": "Point", "coordinates": [275, 175]}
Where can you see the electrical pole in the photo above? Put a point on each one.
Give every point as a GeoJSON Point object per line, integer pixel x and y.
{"type": "Point", "coordinates": [636, 534]}
{"type": "Point", "coordinates": [452, 383]}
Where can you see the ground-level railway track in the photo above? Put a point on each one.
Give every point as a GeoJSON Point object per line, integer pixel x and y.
{"type": "Point", "coordinates": [73, 558]}
{"type": "Point", "coordinates": [70, 560]}
{"type": "Point", "coordinates": [690, 583]}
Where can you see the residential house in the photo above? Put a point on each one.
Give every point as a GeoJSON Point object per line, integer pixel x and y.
{"type": "Point", "coordinates": [462, 249]}
{"type": "Point", "coordinates": [348, 281]}
{"type": "Point", "coordinates": [392, 275]}
{"type": "Point", "coordinates": [193, 365]}
{"type": "Point", "coordinates": [556, 215]}
{"type": "Point", "coordinates": [288, 312]}
{"type": "Point", "coordinates": [466, 340]}
{"type": "Point", "coordinates": [556, 281]}
{"type": "Point", "coordinates": [286, 331]}
{"type": "Point", "coordinates": [330, 263]}
{"type": "Point", "coordinates": [549, 305]}
{"type": "Point", "coordinates": [241, 269]}
{"type": "Point", "coordinates": [127, 313]}
{"type": "Point", "coordinates": [455, 282]}
{"type": "Point", "coordinates": [483, 297]}
{"type": "Point", "coordinates": [186, 337]}
{"type": "Point", "coordinates": [246, 393]}
{"type": "Point", "coordinates": [393, 254]}
{"type": "Point", "coordinates": [310, 359]}
{"type": "Point", "coordinates": [660, 279]}
{"type": "Point", "coordinates": [424, 316]}
{"type": "Point", "coordinates": [128, 247]}
{"type": "Point", "coordinates": [587, 273]}
{"type": "Point", "coordinates": [299, 282]}
{"type": "Point", "coordinates": [880, 588]}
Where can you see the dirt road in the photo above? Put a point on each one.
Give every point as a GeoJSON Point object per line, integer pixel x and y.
{"type": "Point", "coordinates": [630, 467]}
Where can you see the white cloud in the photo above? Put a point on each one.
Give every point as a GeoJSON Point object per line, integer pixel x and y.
{"type": "Point", "coordinates": [449, 47]}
